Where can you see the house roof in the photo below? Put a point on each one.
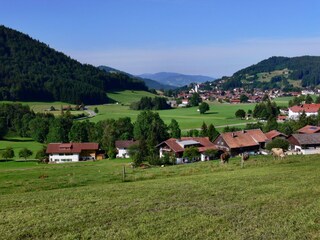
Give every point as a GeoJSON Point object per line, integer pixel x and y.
{"type": "Point", "coordinates": [309, 129]}
{"type": "Point", "coordinates": [308, 108]}
{"type": "Point", "coordinates": [307, 139]}
{"type": "Point", "coordinates": [123, 144]}
{"type": "Point", "coordinates": [177, 145]}
{"type": "Point", "coordinates": [71, 147]}
{"type": "Point", "coordinates": [245, 138]}
{"type": "Point", "coordinates": [274, 133]}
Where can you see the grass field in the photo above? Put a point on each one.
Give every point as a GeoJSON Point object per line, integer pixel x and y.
{"type": "Point", "coordinates": [266, 200]}
{"type": "Point", "coordinates": [18, 143]}
{"type": "Point", "coordinates": [188, 118]}
{"type": "Point", "coordinates": [128, 96]}
{"type": "Point", "coordinates": [220, 115]}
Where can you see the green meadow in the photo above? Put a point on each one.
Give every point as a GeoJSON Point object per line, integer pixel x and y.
{"type": "Point", "coordinates": [267, 199]}
{"type": "Point", "coordinates": [126, 97]}
{"type": "Point", "coordinates": [220, 114]}
{"type": "Point", "coordinates": [18, 143]}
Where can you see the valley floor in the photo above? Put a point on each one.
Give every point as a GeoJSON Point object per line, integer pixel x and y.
{"type": "Point", "coordinates": [267, 199]}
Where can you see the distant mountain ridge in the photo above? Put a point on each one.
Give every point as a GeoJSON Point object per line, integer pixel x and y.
{"type": "Point", "coordinates": [277, 72]}
{"type": "Point", "coordinates": [32, 71]}
{"type": "Point", "coordinates": [176, 79]}
{"type": "Point", "coordinates": [151, 84]}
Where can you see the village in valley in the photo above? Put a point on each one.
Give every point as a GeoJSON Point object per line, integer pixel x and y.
{"type": "Point", "coordinates": [301, 141]}
{"type": "Point", "coordinates": [159, 119]}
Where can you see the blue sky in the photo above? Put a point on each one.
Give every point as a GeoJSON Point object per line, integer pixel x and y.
{"type": "Point", "coordinates": [210, 37]}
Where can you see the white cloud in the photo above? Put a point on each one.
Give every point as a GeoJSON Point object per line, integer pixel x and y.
{"type": "Point", "coordinates": [214, 60]}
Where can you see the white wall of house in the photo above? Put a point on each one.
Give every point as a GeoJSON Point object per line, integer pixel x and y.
{"type": "Point", "coordinates": [307, 151]}
{"type": "Point", "coordinates": [61, 157]}
{"type": "Point", "coordinates": [203, 157]}
{"type": "Point", "coordinates": [122, 153]}
{"type": "Point", "coordinates": [295, 115]}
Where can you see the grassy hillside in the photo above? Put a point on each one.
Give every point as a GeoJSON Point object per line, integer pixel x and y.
{"type": "Point", "coordinates": [266, 200]}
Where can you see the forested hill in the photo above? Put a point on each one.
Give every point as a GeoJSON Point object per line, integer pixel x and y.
{"type": "Point", "coordinates": [278, 72]}
{"type": "Point", "coordinates": [32, 71]}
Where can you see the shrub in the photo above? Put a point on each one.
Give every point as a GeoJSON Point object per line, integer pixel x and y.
{"type": "Point", "coordinates": [278, 143]}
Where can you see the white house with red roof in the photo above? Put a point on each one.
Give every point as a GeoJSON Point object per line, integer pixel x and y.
{"type": "Point", "coordinates": [123, 146]}
{"type": "Point", "coordinates": [176, 147]}
{"type": "Point", "coordinates": [309, 109]}
{"type": "Point", "coordinates": [72, 152]}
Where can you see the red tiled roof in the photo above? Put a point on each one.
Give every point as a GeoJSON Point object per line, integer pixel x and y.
{"type": "Point", "coordinates": [71, 147]}
{"type": "Point", "coordinates": [244, 138]}
{"type": "Point", "coordinates": [309, 129]}
{"type": "Point", "coordinates": [173, 144]}
{"type": "Point", "coordinates": [274, 133]}
{"type": "Point", "coordinates": [308, 108]}
{"type": "Point", "coordinates": [125, 143]}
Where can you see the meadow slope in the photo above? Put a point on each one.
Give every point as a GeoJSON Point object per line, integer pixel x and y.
{"type": "Point", "coordinates": [266, 200]}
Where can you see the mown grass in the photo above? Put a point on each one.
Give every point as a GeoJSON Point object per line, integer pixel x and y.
{"type": "Point", "coordinates": [18, 143]}
{"type": "Point", "coordinates": [266, 200]}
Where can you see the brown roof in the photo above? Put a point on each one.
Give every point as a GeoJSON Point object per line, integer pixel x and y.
{"type": "Point", "coordinates": [245, 138]}
{"type": "Point", "coordinates": [306, 139]}
{"type": "Point", "coordinates": [274, 133]}
{"type": "Point", "coordinates": [308, 108]}
{"type": "Point", "coordinates": [71, 147]}
{"type": "Point", "coordinates": [309, 129]}
{"type": "Point", "coordinates": [173, 143]}
{"type": "Point", "coordinates": [123, 144]}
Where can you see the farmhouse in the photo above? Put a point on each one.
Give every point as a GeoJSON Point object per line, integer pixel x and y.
{"type": "Point", "coordinates": [305, 143]}
{"type": "Point", "coordinates": [309, 109]}
{"type": "Point", "coordinates": [72, 152]}
{"type": "Point", "coordinates": [176, 147]}
{"type": "Point", "coordinates": [241, 141]}
{"type": "Point", "coordinates": [275, 134]}
{"type": "Point", "coordinates": [309, 129]}
{"type": "Point", "coordinates": [123, 146]}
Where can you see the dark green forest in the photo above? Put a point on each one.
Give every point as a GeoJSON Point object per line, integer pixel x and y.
{"type": "Point", "coordinates": [32, 71]}
{"type": "Point", "coordinates": [305, 68]}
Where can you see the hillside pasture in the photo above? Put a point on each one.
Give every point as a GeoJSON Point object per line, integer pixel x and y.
{"type": "Point", "coordinates": [268, 199]}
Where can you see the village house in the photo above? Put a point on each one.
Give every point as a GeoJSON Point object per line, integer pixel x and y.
{"type": "Point", "coordinates": [241, 141]}
{"type": "Point", "coordinates": [73, 152]}
{"type": "Point", "coordinates": [305, 143]}
{"type": "Point", "coordinates": [123, 146]}
{"type": "Point", "coordinates": [309, 129]}
{"type": "Point", "coordinates": [275, 134]}
{"type": "Point", "coordinates": [309, 109]}
{"type": "Point", "coordinates": [176, 147]}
